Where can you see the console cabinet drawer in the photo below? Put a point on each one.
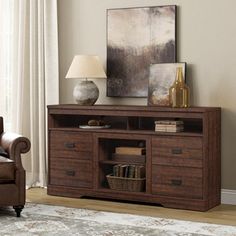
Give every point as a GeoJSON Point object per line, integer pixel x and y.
{"type": "Point", "coordinates": [70, 172]}
{"type": "Point", "coordinates": [71, 145]}
{"type": "Point", "coordinates": [177, 181]}
{"type": "Point", "coordinates": [177, 151]}
{"type": "Point", "coordinates": [181, 142]}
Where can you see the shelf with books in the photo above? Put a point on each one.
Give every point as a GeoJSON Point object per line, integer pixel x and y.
{"type": "Point", "coordinates": [128, 170]}
{"type": "Point", "coordinates": [122, 163]}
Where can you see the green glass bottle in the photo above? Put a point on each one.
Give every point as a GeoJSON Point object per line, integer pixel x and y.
{"type": "Point", "coordinates": [179, 92]}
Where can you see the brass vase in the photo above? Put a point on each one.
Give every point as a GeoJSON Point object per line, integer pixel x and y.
{"type": "Point", "coordinates": [179, 93]}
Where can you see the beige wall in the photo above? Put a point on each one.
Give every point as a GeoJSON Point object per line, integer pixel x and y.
{"type": "Point", "coordinates": [206, 34]}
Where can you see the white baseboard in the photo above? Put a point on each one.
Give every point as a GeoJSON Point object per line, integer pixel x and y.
{"type": "Point", "coordinates": [228, 196]}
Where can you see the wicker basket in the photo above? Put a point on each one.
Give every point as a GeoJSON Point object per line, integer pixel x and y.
{"type": "Point", "coordinates": [126, 184]}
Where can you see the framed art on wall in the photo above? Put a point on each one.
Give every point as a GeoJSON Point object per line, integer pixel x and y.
{"type": "Point", "coordinates": [161, 78]}
{"type": "Point", "coordinates": [136, 38]}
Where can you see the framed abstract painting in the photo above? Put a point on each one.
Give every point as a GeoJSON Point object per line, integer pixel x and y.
{"type": "Point", "coordinates": [136, 38]}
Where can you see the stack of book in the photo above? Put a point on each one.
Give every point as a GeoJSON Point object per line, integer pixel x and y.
{"type": "Point", "coordinates": [129, 171]}
{"type": "Point", "coordinates": [169, 125]}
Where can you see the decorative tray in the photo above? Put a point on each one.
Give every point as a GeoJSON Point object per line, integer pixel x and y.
{"type": "Point", "coordinates": [94, 127]}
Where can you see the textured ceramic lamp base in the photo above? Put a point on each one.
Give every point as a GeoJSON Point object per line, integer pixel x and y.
{"type": "Point", "coordinates": [86, 93]}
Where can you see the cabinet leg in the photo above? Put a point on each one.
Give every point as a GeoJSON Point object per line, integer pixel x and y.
{"type": "Point", "coordinates": [18, 210]}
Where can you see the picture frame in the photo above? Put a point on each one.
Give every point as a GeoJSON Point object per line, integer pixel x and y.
{"type": "Point", "coordinates": [161, 78]}
{"type": "Point", "coordinates": [136, 38]}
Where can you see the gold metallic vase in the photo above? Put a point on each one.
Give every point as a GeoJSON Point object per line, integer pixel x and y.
{"type": "Point", "coordinates": [179, 92]}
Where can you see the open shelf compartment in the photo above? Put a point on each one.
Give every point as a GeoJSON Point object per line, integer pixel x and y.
{"type": "Point", "coordinates": [192, 125]}
{"type": "Point", "coordinates": [121, 171]}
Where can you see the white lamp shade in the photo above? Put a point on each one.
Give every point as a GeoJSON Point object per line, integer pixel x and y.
{"type": "Point", "coordinates": [86, 66]}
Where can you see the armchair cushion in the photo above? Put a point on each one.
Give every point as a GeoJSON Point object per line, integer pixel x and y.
{"type": "Point", "coordinates": [7, 170]}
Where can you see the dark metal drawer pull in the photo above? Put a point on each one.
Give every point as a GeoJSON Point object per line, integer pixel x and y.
{"type": "Point", "coordinates": [69, 145]}
{"type": "Point", "coordinates": [176, 151]}
{"type": "Point", "coordinates": [176, 182]}
{"type": "Point", "coordinates": [70, 172]}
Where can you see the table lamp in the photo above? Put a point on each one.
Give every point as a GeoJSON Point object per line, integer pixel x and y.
{"type": "Point", "coordinates": [83, 67]}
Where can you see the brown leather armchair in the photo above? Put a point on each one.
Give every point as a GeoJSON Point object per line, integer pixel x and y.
{"type": "Point", "coordinates": [12, 173]}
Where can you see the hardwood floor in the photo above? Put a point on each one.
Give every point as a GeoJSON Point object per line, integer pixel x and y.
{"type": "Point", "coordinates": [223, 214]}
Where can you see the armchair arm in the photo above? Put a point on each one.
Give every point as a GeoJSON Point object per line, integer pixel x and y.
{"type": "Point", "coordinates": [15, 144]}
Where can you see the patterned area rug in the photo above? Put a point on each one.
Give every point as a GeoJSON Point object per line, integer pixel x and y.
{"type": "Point", "coordinates": [46, 220]}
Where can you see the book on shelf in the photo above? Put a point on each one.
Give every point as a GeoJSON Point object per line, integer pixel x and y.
{"type": "Point", "coordinates": [130, 150]}
{"type": "Point", "coordinates": [171, 126]}
{"type": "Point", "coordinates": [116, 170]}
{"type": "Point", "coordinates": [126, 171]}
{"type": "Point", "coordinates": [131, 171]}
{"type": "Point", "coordinates": [122, 170]}
{"type": "Point", "coordinates": [169, 122]}
{"type": "Point", "coordinates": [139, 172]}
